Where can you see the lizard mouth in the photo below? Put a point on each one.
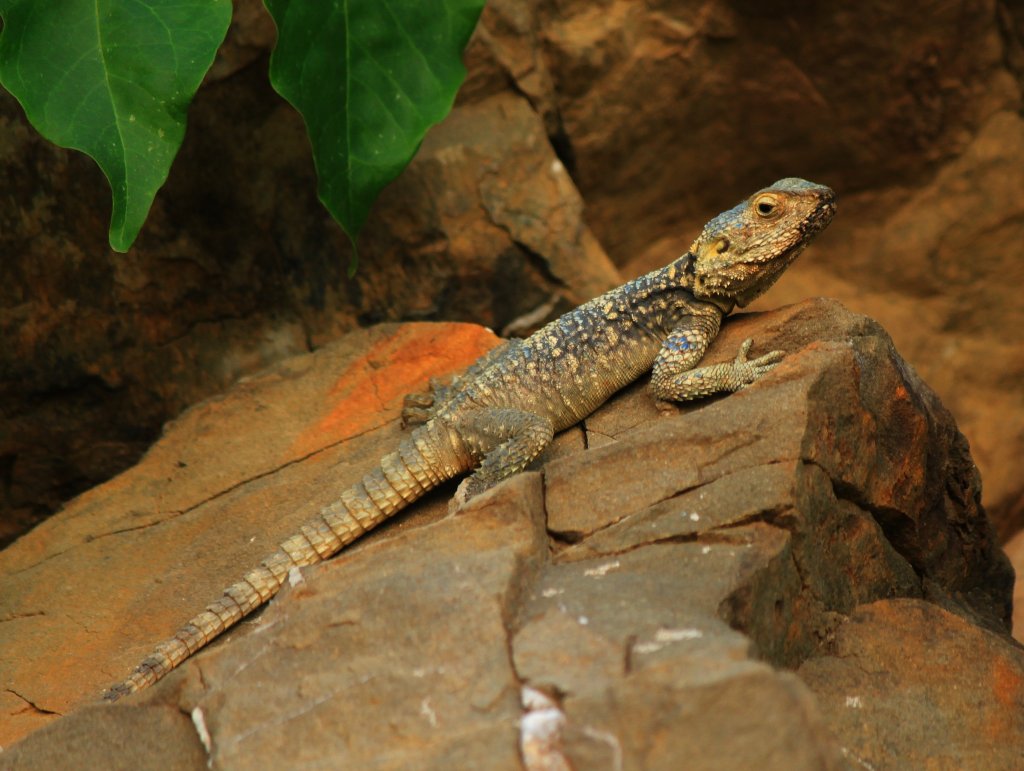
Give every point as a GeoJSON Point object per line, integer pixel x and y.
{"type": "Point", "coordinates": [821, 216]}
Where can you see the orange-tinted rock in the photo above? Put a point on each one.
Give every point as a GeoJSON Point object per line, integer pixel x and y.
{"type": "Point", "coordinates": [907, 684]}
{"type": "Point", "coordinates": [100, 349]}
{"type": "Point", "coordinates": [231, 478]}
{"type": "Point", "coordinates": [910, 111]}
{"type": "Point", "coordinates": [686, 558]}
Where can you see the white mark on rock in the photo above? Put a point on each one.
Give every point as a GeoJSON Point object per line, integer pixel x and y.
{"type": "Point", "coordinates": [204, 735]}
{"type": "Point", "coordinates": [705, 550]}
{"type": "Point", "coordinates": [583, 620]}
{"type": "Point", "coordinates": [647, 647]}
{"type": "Point", "coordinates": [552, 592]}
{"type": "Point", "coordinates": [858, 760]}
{"type": "Point", "coordinates": [428, 712]}
{"type": "Point", "coordinates": [295, 576]}
{"type": "Point", "coordinates": [854, 702]}
{"type": "Point", "coordinates": [557, 167]}
{"type": "Point", "coordinates": [532, 699]}
{"type": "Point", "coordinates": [694, 516]}
{"type": "Point", "coordinates": [540, 732]}
{"type": "Point", "coordinates": [664, 637]}
{"type": "Point", "coordinates": [602, 570]}
{"type": "Point", "coordinates": [611, 740]}
{"type": "Point", "coordinates": [675, 635]}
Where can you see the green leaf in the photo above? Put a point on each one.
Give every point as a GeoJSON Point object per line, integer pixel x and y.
{"type": "Point", "coordinates": [369, 78]}
{"type": "Point", "coordinates": [112, 78]}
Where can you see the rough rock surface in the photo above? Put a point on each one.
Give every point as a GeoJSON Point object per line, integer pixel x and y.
{"type": "Point", "coordinates": [663, 113]}
{"type": "Point", "coordinates": [102, 348]}
{"type": "Point", "coordinates": [656, 580]}
{"type": "Point", "coordinates": [878, 695]}
{"type": "Point", "coordinates": [675, 110]}
{"type": "Point", "coordinates": [1015, 553]}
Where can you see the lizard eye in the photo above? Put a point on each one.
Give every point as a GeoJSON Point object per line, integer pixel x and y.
{"type": "Point", "coordinates": [722, 245]}
{"type": "Point", "coordinates": [766, 206]}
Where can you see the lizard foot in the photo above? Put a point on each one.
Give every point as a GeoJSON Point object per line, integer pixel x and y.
{"type": "Point", "coordinates": [414, 416]}
{"type": "Point", "coordinates": [418, 408]}
{"type": "Point", "coordinates": [750, 370]}
{"type": "Point", "coordinates": [469, 488]}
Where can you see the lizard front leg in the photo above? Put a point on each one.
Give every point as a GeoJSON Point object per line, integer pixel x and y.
{"type": "Point", "coordinates": [676, 376]}
{"type": "Point", "coordinates": [506, 439]}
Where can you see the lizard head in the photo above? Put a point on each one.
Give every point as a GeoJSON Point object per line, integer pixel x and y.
{"type": "Point", "coordinates": [741, 252]}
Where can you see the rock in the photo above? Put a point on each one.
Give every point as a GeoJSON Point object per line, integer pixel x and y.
{"type": "Point", "coordinates": [954, 326]}
{"type": "Point", "coordinates": [643, 597]}
{"type": "Point", "coordinates": [915, 480]}
{"type": "Point", "coordinates": [651, 105]}
{"type": "Point", "coordinates": [660, 106]}
{"type": "Point", "coordinates": [1015, 553]}
{"type": "Point", "coordinates": [908, 111]}
{"type": "Point", "coordinates": [157, 738]}
{"type": "Point", "coordinates": [485, 225]}
{"type": "Point", "coordinates": [240, 472]}
{"type": "Point", "coordinates": [879, 689]}
{"type": "Point", "coordinates": [251, 35]}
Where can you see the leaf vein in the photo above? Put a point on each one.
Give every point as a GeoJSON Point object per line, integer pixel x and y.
{"type": "Point", "coordinates": [412, 44]}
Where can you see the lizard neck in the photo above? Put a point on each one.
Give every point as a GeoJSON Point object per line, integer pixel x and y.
{"type": "Point", "coordinates": [685, 265]}
{"type": "Point", "coordinates": [662, 298]}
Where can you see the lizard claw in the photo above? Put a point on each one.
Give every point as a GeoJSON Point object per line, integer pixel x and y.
{"type": "Point", "coordinates": [468, 489]}
{"type": "Point", "coordinates": [741, 356]}
{"type": "Point", "coordinates": [416, 409]}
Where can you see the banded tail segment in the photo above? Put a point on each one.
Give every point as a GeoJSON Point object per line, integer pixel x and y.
{"type": "Point", "coordinates": [429, 456]}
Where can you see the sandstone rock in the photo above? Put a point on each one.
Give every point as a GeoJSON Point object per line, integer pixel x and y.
{"type": "Point", "coordinates": [232, 477]}
{"type": "Point", "coordinates": [915, 480]}
{"type": "Point", "coordinates": [879, 690]}
{"type": "Point", "coordinates": [140, 739]}
{"type": "Point", "coordinates": [665, 101]}
{"type": "Point", "coordinates": [946, 291]}
{"type": "Point", "coordinates": [664, 113]}
{"type": "Point", "coordinates": [654, 586]}
{"type": "Point", "coordinates": [251, 35]}
{"type": "Point", "coordinates": [661, 117]}
{"type": "Point", "coordinates": [1015, 553]}
{"type": "Point", "coordinates": [101, 348]}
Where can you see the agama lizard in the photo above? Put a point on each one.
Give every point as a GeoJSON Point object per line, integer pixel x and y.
{"type": "Point", "coordinates": [501, 414]}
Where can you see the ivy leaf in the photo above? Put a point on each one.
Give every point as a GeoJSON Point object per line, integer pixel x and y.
{"type": "Point", "coordinates": [112, 78]}
{"type": "Point", "coordinates": [369, 78]}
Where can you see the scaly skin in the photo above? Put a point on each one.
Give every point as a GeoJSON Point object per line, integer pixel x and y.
{"type": "Point", "coordinates": [504, 410]}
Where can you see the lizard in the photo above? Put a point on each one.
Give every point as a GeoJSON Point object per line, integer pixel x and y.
{"type": "Point", "coordinates": [497, 417]}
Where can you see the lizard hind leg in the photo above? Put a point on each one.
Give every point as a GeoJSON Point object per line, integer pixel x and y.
{"type": "Point", "coordinates": [418, 408]}
{"type": "Point", "coordinates": [507, 440]}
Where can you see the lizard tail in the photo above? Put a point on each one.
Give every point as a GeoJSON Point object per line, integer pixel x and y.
{"type": "Point", "coordinates": [429, 456]}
